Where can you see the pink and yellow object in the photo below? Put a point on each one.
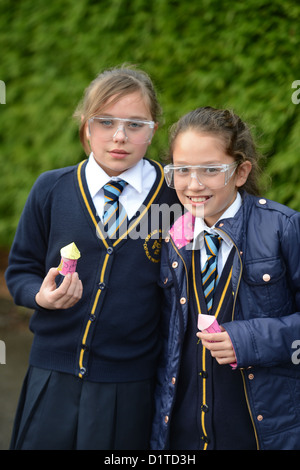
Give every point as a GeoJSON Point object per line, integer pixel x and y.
{"type": "Point", "coordinates": [182, 231]}
{"type": "Point", "coordinates": [209, 324]}
{"type": "Point", "coordinates": [69, 256]}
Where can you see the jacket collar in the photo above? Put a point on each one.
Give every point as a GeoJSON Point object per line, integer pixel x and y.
{"type": "Point", "coordinates": [182, 232]}
{"type": "Point", "coordinates": [235, 227]}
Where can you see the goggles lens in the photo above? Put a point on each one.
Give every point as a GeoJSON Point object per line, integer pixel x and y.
{"type": "Point", "coordinates": [135, 131]}
{"type": "Point", "coordinates": [210, 176]}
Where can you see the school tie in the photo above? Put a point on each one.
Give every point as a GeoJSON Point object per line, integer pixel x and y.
{"type": "Point", "coordinates": [114, 213]}
{"type": "Point", "coordinates": [209, 272]}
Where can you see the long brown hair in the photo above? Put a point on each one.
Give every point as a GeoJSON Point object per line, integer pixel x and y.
{"type": "Point", "coordinates": [235, 134]}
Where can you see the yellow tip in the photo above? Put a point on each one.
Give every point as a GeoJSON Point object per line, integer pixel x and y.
{"type": "Point", "coordinates": [70, 251]}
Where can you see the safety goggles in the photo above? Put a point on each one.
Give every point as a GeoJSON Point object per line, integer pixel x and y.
{"type": "Point", "coordinates": [210, 176]}
{"type": "Point", "coordinates": [134, 130]}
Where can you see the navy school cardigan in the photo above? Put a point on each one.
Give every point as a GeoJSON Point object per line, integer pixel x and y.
{"type": "Point", "coordinates": [112, 333]}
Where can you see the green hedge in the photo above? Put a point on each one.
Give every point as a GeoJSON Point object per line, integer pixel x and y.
{"type": "Point", "coordinates": [242, 55]}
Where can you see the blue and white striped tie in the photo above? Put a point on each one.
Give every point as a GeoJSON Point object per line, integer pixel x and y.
{"type": "Point", "coordinates": [114, 214]}
{"type": "Point", "coordinates": [209, 272]}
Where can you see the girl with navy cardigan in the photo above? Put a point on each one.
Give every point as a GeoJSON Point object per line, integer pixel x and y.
{"type": "Point", "coordinates": [96, 331]}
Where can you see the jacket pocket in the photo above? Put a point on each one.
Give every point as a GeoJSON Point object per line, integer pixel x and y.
{"type": "Point", "coordinates": [267, 287]}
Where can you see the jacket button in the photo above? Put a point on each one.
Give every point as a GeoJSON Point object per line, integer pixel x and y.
{"type": "Point", "coordinates": [266, 277]}
{"type": "Point", "coordinates": [173, 380]}
{"type": "Point", "coordinates": [167, 239]}
{"type": "Point", "coordinates": [204, 408]}
{"type": "Point", "coordinates": [251, 376]}
{"type": "Point", "coordinates": [174, 264]}
{"type": "Point", "coordinates": [166, 280]}
{"type": "Point", "coordinates": [262, 201]}
{"type": "Point", "coordinates": [166, 419]}
{"type": "Point", "coordinates": [260, 418]}
{"type": "Point", "coordinates": [182, 300]}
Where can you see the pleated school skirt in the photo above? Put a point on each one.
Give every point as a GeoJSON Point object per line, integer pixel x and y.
{"type": "Point", "coordinates": [58, 411]}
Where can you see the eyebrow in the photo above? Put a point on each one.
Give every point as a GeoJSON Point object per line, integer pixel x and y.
{"type": "Point", "coordinates": [198, 164]}
{"type": "Point", "coordinates": [138, 118]}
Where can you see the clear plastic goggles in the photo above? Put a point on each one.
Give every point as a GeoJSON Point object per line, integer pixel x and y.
{"type": "Point", "coordinates": [134, 130]}
{"type": "Point", "coordinates": [210, 176]}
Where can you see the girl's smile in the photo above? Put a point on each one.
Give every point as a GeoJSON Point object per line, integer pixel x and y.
{"type": "Point", "coordinates": [198, 200]}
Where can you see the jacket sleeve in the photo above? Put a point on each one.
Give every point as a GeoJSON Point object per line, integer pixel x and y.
{"type": "Point", "coordinates": [26, 269]}
{"type": "Point", "coordinates": [269, 341]}
{"type": "Point", "coordinates": [164, 330]}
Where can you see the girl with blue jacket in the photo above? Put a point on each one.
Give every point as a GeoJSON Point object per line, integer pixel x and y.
{"type": "Point", "coordinates": [238, 388]}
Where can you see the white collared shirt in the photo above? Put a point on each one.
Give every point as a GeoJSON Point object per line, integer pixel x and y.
{"type": "Point", "coordinates": [140, 179]}
{"type": "Point", "coordinates": [226, 245]}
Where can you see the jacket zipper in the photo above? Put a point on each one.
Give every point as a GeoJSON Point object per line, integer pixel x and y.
{"type": "Point", "coordinates": [232, 318]}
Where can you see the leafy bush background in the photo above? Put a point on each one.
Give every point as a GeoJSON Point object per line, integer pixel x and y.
{"type": "Point", "coordinates": [241, 55]}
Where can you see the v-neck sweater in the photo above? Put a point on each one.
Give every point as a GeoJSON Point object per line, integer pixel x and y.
{"type": "Point", "coordinates": [112, 333]}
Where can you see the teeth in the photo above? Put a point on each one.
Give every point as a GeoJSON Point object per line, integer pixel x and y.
{"type": "Point", "coordinates": [198, 199]}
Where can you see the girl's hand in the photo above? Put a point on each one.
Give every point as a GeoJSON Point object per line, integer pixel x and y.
{"type": "Point", "coordinates": [65, 296]}
{"type": "Point", "coordinates": [219, 345]}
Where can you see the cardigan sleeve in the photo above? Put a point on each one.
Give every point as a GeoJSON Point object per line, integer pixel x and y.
{"type": "Point", "coordinates": [26, 269]}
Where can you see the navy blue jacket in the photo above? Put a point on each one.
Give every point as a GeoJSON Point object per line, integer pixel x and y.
{"type": "Point", "coordinates": [265, 326]}
{"type": "Point", "coordinates": [112, 333]}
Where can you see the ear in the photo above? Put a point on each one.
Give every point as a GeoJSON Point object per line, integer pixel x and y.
{"type": "Point", "coordinates": [86, 138]}
{"type": "Point", "coordinates": [86, 130]}
{"type": "Point", "coordinates": [243, 172]}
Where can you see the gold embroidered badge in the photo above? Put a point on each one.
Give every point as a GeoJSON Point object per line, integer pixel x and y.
{"type": "Point", "coordinates": [152, 245]}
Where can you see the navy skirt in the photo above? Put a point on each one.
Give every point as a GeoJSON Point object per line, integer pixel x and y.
{"type": "Point", "coordinates": [58, 411]}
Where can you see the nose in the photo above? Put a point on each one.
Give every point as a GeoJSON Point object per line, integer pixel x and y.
{"type": "Point", "coordinates": [194, 181]}
{"type": "Point", "coordinates": [120, 134]}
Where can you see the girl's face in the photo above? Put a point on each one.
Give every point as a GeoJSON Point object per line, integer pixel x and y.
{"type": "Point", "coordinates": [119, 154]}
{"type": "Point", "coordinates": [196, 148]}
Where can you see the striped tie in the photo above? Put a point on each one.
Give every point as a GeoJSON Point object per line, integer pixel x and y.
{"type": "Point", "coordinates": [209, 272]}
{"type": "Point", "coordinates": [114, 213]}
